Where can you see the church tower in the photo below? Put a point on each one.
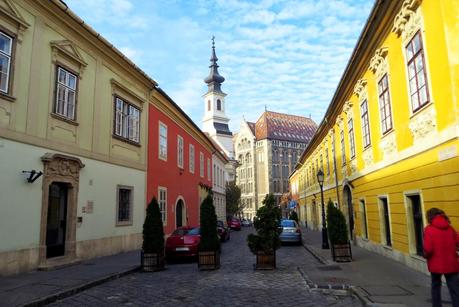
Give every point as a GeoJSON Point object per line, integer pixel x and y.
{"type": "Point", "coordinates": [215, 121]}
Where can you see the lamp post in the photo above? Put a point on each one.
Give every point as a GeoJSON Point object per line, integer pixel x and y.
{"type": "Point", "coordinates": [320, 179]}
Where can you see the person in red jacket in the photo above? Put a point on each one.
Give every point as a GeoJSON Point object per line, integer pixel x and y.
{"type": "Point", "coordinates": [440, 243]}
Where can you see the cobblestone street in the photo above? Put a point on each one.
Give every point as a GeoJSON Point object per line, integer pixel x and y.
{"type": "Point", "coordinates": [234, 284]}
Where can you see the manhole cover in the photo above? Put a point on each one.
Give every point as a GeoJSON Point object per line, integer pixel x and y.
{"type": "Point", "coordinates": [329, 268]}
{"type": "Point", "coordinates": [385, 290]}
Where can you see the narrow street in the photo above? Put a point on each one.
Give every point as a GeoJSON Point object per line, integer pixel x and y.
{"type": "Point", "coordinates": [234, 284]}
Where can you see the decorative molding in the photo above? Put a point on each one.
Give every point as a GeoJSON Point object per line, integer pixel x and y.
{"type": "Point", "coordinates": [347, 108]}
{"type": "Point", "coordinates": [423, 124]}
{"type": "Point", "coordinates": [58, 165]}
{"type": "Point", "coordinates": [408, 20]}
{"type": "Point", "coordinates": [70, 50]}
{"type": "Point", "coordinates": [9, 10]}
{"type": "Point", "coordinates": [367, 156]}
{"type": "Point", "coordinates": [378, 63]}
{"type": "Point", "coordinates": [388, 145]}
{"type": "Point", "coordinates": [339, 121]}
{"type": "Point", "coordinates": [353, 163]}
{"type": "Point", "coordinates": [115, 84]}
{"type": "Point", "coordinates": [360, 89]}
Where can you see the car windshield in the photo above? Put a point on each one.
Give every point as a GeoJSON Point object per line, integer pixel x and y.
{"type": "Point", "coordinates": [194, 231]}
{"type": "Point", "coordinates": [288, 223]}
{"type": "Point", "coordinates": [180, 232]}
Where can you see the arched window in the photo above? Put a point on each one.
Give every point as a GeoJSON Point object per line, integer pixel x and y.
{"type": "Point", "coordinates": [208, 105]}
{"type": "Point", "coordinates": [219, 105]}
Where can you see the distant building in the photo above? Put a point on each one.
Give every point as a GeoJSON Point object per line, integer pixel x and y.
{"type": "Point", "coordinates": [267, 152]}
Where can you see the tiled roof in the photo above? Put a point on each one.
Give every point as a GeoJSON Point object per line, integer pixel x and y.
{"type": "Point", "coordinates": [251, 126]}
{"type": "Point", "coordinates": [284, 127]}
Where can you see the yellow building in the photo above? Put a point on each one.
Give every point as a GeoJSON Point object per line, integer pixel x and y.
{"type": "Point", "coordinates": [388, 143]}
{"type": "Point", "coordinates": [73, 120]}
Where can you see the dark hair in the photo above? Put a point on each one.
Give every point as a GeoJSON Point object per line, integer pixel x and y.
{"type": "Point", "coordinates": [433, 212]}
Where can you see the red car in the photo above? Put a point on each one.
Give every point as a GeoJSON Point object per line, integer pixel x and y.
{"type": "Point", "coordinates": [183, 242]}
{"type": "Point", "coordinates": [234, 223]}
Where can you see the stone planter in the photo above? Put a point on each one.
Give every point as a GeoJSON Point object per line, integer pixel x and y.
{"type": "Point", "coordinates": [152, 262]}
{"type": "Point", "coordinates": [265, 261]}
{"type": "Point", "coordinates": [341, 252]}
{"type": "Point", "coordinates": [209, 260]}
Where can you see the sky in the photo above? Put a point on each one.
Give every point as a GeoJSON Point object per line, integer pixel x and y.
{"type": "Point", "coordinates": [285, 55]}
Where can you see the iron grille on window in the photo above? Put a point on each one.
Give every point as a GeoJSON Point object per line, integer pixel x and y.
{"type": "Point", "coordinates": [124, 205]}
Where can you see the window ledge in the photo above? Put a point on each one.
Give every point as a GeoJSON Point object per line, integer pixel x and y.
{"type": "Point", "coordinates": [387, 247]}
{"type": "Point", "coordinates": [126, 140]}
{"type": "Point", "coordinates": [65, 119]}
{"type": "Point", "coordinates": [126, 223]}
{"type": "Point", "coordinates": [421, 109]}
{"type": "Point", "coordinates": [367, 148]}
{"type": "Point", "coordinates": [388, 132]}
{"type": "Point", "coordinates": [7, 97]}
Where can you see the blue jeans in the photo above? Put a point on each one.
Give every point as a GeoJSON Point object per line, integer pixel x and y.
{"type": "Point", "coordinates": [452, 280]}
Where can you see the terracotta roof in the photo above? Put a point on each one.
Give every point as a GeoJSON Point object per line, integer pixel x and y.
{"type": "Point", "coordinates": [284, 127]}
{"type": "Point", "coordinates": [252, 127]}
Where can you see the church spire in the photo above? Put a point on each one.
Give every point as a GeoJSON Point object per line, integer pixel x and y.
{"type": "Point", "coordinates": [214, 80]}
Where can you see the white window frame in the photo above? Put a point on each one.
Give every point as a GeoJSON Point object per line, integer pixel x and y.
{"type": "Point", "coordinates": [180, 155]}
{"type": "Point", "coordinates": [8, 55]}
{"type": "Point", "coordinates": [162, 141]}
{"type": "Point", "coordinates": [162, 201]}
{"type": "Point", "coordinates": [192, 158]}
{"type": "Point", "coordinates": [127, 120]}
{"type": "Point", "coordinates": [201, 164]}
{"type": "Point", "coordinates": [66, 107]}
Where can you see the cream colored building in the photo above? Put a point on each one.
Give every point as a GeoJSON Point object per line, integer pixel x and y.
{"type": "Point", "coordinates": [75, 109]}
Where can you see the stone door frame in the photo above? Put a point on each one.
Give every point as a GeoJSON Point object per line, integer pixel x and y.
{"type": "Point", "coordinates": [64, 169]}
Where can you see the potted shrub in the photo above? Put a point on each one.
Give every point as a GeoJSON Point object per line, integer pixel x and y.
{"type": "Point", "coordinates": [152, 255]}
{"type": "Point", "coordinates": [265, 243]}
{"type": "Point", "coordinates": [337, 234]}
{"type": "Point", "coordinates": [209, 246]}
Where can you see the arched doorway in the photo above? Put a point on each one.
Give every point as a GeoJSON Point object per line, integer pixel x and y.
{"type": "Point", "coordinates": [348, 209]}
{"type": "Point", "coordinates": [179, 213]}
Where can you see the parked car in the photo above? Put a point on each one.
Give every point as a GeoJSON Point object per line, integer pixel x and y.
{"type": "Point", "coordinates": [246, 223]}
{"type": "Point", "coordinates": [291, 232]}
{"type": "Point", "coordinates": [223, 231]}
{"type": "Point", "coordinates": [234, 223]}
{"type": "Point", "coordinates": [183, 242]}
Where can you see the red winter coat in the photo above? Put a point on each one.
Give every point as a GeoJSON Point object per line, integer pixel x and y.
{"type": "Point", "coordinates": [440, 241]}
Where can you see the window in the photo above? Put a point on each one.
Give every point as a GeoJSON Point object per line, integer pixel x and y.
{"type": "Point", "coordinates": [384, 104]}
{"type": "Point", "coordinates": [162, 141]}
{"type": "Point", "coordinates": [321, 162]}
{"type": "Point", "coordinates": [192, 158]}
{"type": "Point", "coordinates": [414, 203]}
{"type": "Point", "coordinates": [350, 127]}
{"type": "Point", "coordinates": [417, 75]}
{"type": "Point", "coordinates": [215, 175]}
{"type": "Point", "coordinates": [66, 84]}
{"type": "Point", "coordinates": [208, 105]}
{"type": "Point", "coordinates": [328, 162]}
{"type": "Point", "coordinates": [365, 124]}
{"type": "Point", "coordinates": [6, 48]}
{"type": "Point", "coordinates": [124, 203]}
{"type": "Point", "coordinates": [219, 105]}
{"type": "Point", "coordinates": [127, 120]}
{"type": "Point", "coordinates": [363, 211]}
{"type": "Point", "coordinates": [208, 169]}
{"type": "Point", "coordinates": [179, 151]}
{"type": "Point", "coordinates": [201, 164]}
{"type": "Point", "coordinates": [162, 200]}
{"type": "Point", "coordinates": [385, 222]}
{"type": "Point", "coordinates": [343, 148]}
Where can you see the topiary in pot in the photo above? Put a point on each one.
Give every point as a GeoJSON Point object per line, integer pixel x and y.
{"type": "Point", "coordinates": [293, 216]}
{"type": "Point", "coordinates": [266, 241]}
{"type": "Point", "coordinates": [337, 234]}
{"type": "Point", "coordinates": [153, 239]}
{"type": "Point", "coordinates": [209, 246]}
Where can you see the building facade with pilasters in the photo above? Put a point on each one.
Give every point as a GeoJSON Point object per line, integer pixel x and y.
{"type": "Point", "coordinates": [388, 144]}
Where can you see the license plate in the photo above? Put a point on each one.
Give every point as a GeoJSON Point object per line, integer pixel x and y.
{"type": "Point", "coordinates": [182, 249]}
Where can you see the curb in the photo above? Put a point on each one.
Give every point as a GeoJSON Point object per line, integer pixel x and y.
{"type": "Point", "coordinates": [79, 288]}
{"type": "Point", "coordinates": [319, 258]}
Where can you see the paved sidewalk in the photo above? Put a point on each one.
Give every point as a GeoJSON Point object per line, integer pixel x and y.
{"type": "Point", "coordinates": [34, 287]}
{"type": "Point", "coordinates": [376, 278]}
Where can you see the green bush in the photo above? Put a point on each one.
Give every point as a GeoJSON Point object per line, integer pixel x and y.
{"type": "Point", "coordinates": [209, 235]}
{"type": "Point", "coordinates": [336, 223]}
{"type": "Point", "coordinates": [293, 216]}
{"type": "Point", "coordinates": [266, 224]}
{"type": "Point", "coordinates": [153, 232]}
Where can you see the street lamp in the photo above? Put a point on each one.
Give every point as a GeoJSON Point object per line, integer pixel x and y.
{"type": "Point", "coordinates": [320, 179]}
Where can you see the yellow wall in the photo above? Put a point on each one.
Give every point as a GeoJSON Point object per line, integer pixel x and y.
{"type": "Point", "coordinates": [420, 154]}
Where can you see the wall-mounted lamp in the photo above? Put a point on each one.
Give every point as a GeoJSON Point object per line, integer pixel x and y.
{"type": "Point", "coordinates": [31, 176]}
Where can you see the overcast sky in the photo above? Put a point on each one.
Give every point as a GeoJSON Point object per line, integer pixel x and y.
{"type": "Point", "coordinates": [286, 55]}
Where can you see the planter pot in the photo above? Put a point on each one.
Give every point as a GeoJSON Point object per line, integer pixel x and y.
{"type": "Point", "coordinates": [209, 260]}
{"type": "Point", "coordinates": [152, 262]}
{"type": "Point", "coordinates": [341, 252]}
{"type": "Point", "coordinates": [265, 261]}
